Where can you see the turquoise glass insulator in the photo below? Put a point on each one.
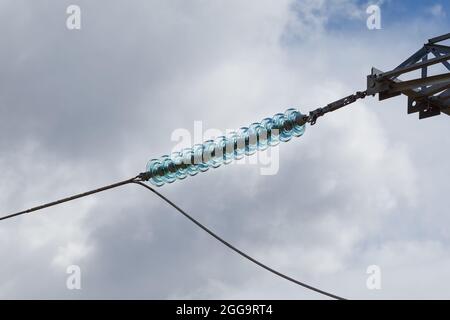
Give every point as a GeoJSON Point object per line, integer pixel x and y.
{"type": "Point", "coordinates": [239, 143]}
{"type": "Point", "coordinates": [224, 149]}
{"type": "Point", "coordinates": [212, 154]}
{"type": "Point", "coordinates": [188, 161]}
{"type": "Point", "coordinates": [283, 127]}
{"type": "Point", "coordinates": [231, 146]}
{"type": "Point", "coordinates": [154, 167]}
{"type": "Point", "coordinates": [177, 158]}
{"type": "Point", "coordinates": [261, 134]}
{"type": "Point", "coordinates": [198, 151]}
{"type": "Point", "coordinates": [273, 133]}
{"type": "Point", "coordinates": [251, 142]}
{"type": "Point", "coordinates": [221, 147]}
{"type": "Point", "coordinates": [297, 120]}
{"type": "Point", "coordinates": [169, 169]}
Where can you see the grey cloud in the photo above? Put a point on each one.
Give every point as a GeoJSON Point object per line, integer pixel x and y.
{"type": "Point", "coordinates": [79, 109]}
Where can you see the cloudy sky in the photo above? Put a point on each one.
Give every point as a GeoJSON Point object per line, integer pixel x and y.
{"type": "Point", "coordinates": [82, 108]}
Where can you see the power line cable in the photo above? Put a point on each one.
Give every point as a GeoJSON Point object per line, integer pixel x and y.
{"type": "Point", "coordinates": [229, 245]}
{"type": "Point", "coordinates": [138, 180]}
{"type": "Point", "coordinates": [76, 196]}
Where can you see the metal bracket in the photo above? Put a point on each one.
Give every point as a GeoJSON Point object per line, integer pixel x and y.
{"type": "Point", "coordinates": [427, 95]}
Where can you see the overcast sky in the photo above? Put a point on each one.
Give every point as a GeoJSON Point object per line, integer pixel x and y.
{"type": "Point", "coordinates": [82, 108]}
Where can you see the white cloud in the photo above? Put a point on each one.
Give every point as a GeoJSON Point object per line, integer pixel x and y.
{"type": "Point", "coordinates": [437, 10]}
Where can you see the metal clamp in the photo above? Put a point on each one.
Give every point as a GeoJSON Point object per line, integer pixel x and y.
{"type": "Point", "coordinates": [313, 115]}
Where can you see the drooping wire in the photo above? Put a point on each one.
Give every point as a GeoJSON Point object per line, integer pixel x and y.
{"type": "Point", "coordinates": [138, 180]}
{"type": "Point", "coordinates": [243, 254]}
